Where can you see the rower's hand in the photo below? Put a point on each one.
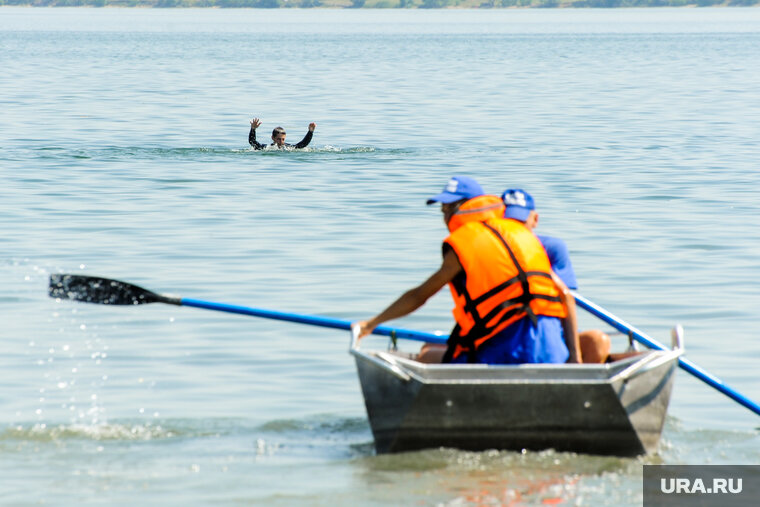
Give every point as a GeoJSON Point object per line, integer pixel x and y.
{"type": "Point", "coordinates": [255, 123]}
{"type": "Point", "coordinates": [364, 328]}
{"type": "Point", "coordinates": [312, 126]}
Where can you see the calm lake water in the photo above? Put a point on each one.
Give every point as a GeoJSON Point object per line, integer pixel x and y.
{"type": "Point", "coordinates": [123, 151]}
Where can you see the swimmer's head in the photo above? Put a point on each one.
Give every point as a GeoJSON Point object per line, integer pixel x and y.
{"type": "Point", "coordinates": [278, 136]}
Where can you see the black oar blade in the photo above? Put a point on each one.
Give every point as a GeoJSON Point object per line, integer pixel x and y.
{"type": "Point", "coordinates": [91, 289]}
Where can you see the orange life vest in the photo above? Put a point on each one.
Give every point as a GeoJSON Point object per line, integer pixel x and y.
{"type": "Point", "coordinates": [506, 275]}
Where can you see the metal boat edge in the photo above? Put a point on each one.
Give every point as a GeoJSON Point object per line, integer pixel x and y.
{"type": "Point", "coordinates": [406, 368]}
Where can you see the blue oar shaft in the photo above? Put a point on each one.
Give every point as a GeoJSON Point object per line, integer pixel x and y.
{"type": "Point", "coordinates": [312, 320]}
{"type": "Point", "coordinates": [685, 364]}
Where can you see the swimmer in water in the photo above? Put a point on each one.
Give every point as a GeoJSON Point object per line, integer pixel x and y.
{"type": "Point", "coordinates": [278, 137]}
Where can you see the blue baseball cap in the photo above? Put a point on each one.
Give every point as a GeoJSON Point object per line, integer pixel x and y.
{"type": "Point", "coordinates": [519, 204]}
{"type": "Point", "coordinates": [458, 188]}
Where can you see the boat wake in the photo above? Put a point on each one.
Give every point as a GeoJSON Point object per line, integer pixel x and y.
{"type": "Point", "coordinates": [323, 435]}
{"type": "Point", "coordinates": [41, 432]}
{"type": "Point", "coordinates": [320, 424]}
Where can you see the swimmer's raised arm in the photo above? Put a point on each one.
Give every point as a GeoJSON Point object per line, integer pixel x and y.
{"type": "Point", "coordinates": [255, 123]}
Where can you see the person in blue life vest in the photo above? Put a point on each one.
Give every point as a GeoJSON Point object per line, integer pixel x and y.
{"type": "Point", "coordinates": [509, 307]}
{"type": "Point", "coordinates": [520, 205]}
{"type": "Point", "coordinates": [278, 137]}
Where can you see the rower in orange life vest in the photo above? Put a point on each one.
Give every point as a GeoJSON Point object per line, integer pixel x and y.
{"type": "Point", "coordinates": [510, 307]}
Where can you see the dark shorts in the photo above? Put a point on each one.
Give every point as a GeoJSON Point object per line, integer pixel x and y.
{"type": "Point", "coordinates": [522, 342]}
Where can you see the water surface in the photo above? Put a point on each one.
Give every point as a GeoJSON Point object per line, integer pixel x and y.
{"type": "Point", "coordinates": [124, 154]}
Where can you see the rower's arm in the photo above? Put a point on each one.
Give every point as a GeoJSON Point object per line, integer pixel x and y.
{"type": "Point", "coordinates": [416, 297]}
{"type": "Point", "coordinates": [570, 322]}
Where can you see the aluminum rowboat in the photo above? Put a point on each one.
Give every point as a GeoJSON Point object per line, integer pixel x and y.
{"type": "Point", "coordinates": [615, 408]}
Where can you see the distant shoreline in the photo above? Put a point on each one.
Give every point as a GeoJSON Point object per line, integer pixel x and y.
{"type": "Point", "coordinates": [383, 4]}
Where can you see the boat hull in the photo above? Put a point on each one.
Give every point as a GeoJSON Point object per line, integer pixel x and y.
{"type": "Point", "coordinates": [614, 409]}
